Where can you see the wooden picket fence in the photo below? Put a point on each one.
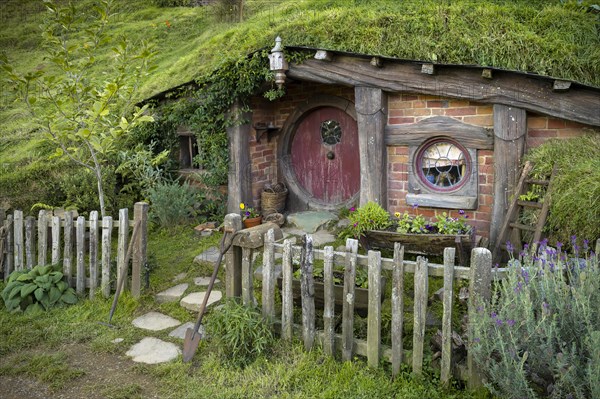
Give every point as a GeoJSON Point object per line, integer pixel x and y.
{"type": "Point", "coordinates": [479, 274]}
{"type": "Point", "coordinates": [83, 247]}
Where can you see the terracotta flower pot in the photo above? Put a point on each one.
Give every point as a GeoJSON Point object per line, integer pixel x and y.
{"type": "Point", "coordinates": [251, 222]}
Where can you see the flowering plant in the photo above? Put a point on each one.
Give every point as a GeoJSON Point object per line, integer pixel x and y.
{"type": "Point", "coordinates": [445, 224]}
{"type": "Point", "coordinates": [248, 212]}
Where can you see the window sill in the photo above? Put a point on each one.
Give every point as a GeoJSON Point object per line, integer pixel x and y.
{"type": "Point", "coordinates": [442, 201]}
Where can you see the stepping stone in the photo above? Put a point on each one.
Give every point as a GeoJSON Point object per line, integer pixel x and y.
{"type": "Point", "coordinates": [155, 321]}
{"type": "Point", "coordinates": [311, 221]}
{"type": "Point", "coordinates": [322, 237]}
{"type": "Point", "coordinates": [203, 281]}
{"type": "Point", "coordinates": [210, 255]}
{"type": "Point", "coordinates": [179, 332]}
{"type": "Point", "coordinates": [179, 277]}
{"type": "Point", "coordinates": [194, 300]}
{"type": "Point", "coordinates": [173, 294]}
{"type": "Point", "coordinates": [153, 351]}
{"type": "Point", "coordinates": [117, 340]}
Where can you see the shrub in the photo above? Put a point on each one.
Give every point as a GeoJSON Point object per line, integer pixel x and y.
{"type": "Point", "coordinates": [540, 335]}
{"type": "Point", "coordinates": [240, 332]}
{"type": "Point", "coordinates": [40, 288]}
{"type": "Point", "coordinates": [370, 216]}
{"type": "Point", "coordinates": [171, 203]}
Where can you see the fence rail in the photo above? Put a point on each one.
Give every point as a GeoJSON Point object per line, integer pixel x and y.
{"type": "Point", "coordinates": [240, 282]}
{"type": "Point", "coordinates": [83, 246]}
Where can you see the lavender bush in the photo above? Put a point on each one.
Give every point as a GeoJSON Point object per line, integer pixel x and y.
{"type": "Point", "coordinates": [540, 335]}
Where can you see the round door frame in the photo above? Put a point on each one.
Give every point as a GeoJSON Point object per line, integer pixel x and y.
{"type": "Point", "coordinates": [284, 148]}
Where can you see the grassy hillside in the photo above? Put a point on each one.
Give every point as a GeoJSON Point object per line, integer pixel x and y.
{"type": "Point", "coordinates": [547, 37]}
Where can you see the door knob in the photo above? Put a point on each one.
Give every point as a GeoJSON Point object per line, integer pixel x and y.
{"type": "Point", "coordinates": [330, 155]}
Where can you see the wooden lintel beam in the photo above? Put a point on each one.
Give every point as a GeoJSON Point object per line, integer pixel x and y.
{"type": "Point", "coordinates": [561, 85]}
{"type": "Point", "coordinates": [323, 55]}
{"type": "Point", "coordinates": [428, 69]}
{"type": "Point", "coordinates": [579, 104]}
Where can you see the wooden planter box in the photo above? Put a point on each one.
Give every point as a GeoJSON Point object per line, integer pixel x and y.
{"type": "Point", "coordinates": [423, 244]}
{"type": "Point", "coordinates": [361, 295]}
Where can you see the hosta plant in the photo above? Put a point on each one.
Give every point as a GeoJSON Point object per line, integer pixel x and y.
{"type": "Point", "coordinates": [40, 288]}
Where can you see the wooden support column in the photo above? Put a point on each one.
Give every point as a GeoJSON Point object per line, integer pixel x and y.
{"type": "Point", "coordinates": [239, 187]}
{"type": "Point", "coordinates": [371, 117]}
{"type": "Point", "coordinates": [510, 128]}
{"type": "Point", "coordinates": [233, 259]}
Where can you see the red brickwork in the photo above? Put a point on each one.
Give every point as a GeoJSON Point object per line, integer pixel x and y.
{"type": "Point", "coordinates": [542, 128]}
{"type": "Point", "coordinates": [409, 108]}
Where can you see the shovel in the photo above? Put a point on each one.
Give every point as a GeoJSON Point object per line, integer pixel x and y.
{"type": "Point", "coordinates": [192, 336]}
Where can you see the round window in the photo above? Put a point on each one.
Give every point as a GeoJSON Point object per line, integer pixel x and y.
{"type": "Point", "coordinates": [331, 132]}
{"type": "Point", "coordinates": [443, 165]}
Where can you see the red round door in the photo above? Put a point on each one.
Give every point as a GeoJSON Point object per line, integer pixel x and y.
{"type": "Point", "coordinates": [325, 157]}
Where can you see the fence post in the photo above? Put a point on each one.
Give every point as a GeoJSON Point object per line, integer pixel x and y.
{"type": "Point", "coordinates": [42, 238]}
{"type": "Point", "coordinates": [307, 289]}
{"type": "Point", "coordinates": [233, 259]}
{"type": "Point", "coordinates": [9, 260]}
{"type": "Point", "coordinates": [93, 253]}
{"type": "Point", "coordinates": [448, 297]}
{"type": "Point", "coordinates": [268, 283]}
{"type": "Point", "coordinates": [479, 290]}
{"type": "Point", "coordinates": [30, 242]}
{"type": "Point", "coordinates": [107, 226]}
{"type": "Point", "coordinates": [68, 250]}
{"type": "Point", "coordinates": [287, 300]}
{"type": "Point", "coordinates": [397, 308]}
{"type": "Point", "coordinates": [55, 239]}
{"type": "Point", "coordinates": [348, 304]}
{"type": "Point", "coordinates": [420, 313]}
{"type": "Point", "coordinates": [80, 243]}
{"type": "Point", "coordinates": [140, 251]}
{"type": "Point", "coordinates": [122, 247]}
{"type": "Point", "coordinates": [247, 277]}
{"type": "Point", "coordinates": [374, 315]}
{"type": "Point", "coordinates": [329, 303]}
{"type": "Point", "coordinates": [18, 239]}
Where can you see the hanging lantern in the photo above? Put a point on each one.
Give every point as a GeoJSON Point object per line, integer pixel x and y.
{"type": "Point", "coordinates": [277, 62]}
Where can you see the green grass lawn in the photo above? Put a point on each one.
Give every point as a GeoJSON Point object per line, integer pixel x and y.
{"type": "Point", "coordinates": [67, 352]}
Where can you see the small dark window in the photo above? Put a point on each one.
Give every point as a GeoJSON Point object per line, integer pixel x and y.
{"type": "Point", "coordinates": [331, 132]}
{"type": "Point", "coordinates": [188, 149]}
{"type": "Point", "coordinates": [443, 165]}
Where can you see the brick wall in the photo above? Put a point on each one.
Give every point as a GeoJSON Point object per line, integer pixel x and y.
{"type": "Point", "coordinates": [263, 155]}
{"type": "Point", "coordinates": [542, 128]}
{"type": "Point", "coordinates": [408, 108]}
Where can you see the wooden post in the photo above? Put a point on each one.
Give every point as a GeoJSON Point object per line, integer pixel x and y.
{"type": "Point", "coordinates": [9, 261]}
{"type": "Point", "coordinates": [68, 250]}
{"type": "Point", "coordinates": [42, 238]}
{"type": "Point", "coordinates": [374, 315]}
{"type": "Point", "coordinates": [247, 278]}
{"type": "Point", "coordinates": [122, 241]}
{"type": "Point", "coordinates": [446, 365]}
{"type": "Point", "coordinates": [287, 299]}
{"type": "Point", "coordinates": [240, 178]}
{"type": "Point", "coordinates": [93, 253]}
{"type": "Point", "coordinates": [307, 290]}
{"type": "Point", "coordinates": [140, 247]}
{"type": "Point", "coordinates": [18, 239]}
{"type": "Point", "coordinates": [479, 291]}
{"type": "Point", "coordinates": [268, 281]}
{"type": "Point", "coordinates": [510, 128]}
{"type": "Point", "coordinates": [329, 303]}
{"type": "Point", "coordinates": [55, 240]}
{"type": "Point", "coordinates": [30, 242]}
{"type": "Point", "coordinates": [420, 313]}
{"type": "Point", "coordinates": [397, 308]}
{"type": "Point", "coordinates": [107, 226]}
{"type": "Point", "coordinates": [80, 242]}
{"type": "Point", "coordinates": [233, 258]}
{"type": "Point", "coordinates": [371, 118]}
{"type": "Point", "coordinates": [348, 304]}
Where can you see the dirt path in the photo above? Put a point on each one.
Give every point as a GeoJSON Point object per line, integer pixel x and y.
{"type": "Point", "coordinates": [99, 375]}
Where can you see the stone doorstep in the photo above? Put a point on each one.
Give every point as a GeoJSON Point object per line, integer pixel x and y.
{"type": "Point", "coordinates": [172, 294]}
{"type": "Point", "coordinates": [155, 321]}
{"type": "Point", "coordinates": [311, 221]}
{"type": "Point", "coordinates": [153, 351]}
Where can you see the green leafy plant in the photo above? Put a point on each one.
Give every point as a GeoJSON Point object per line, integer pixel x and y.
{"type": "Point", "coordinates": [445, 224]}
{"type": "Point", "coordinates": [370, 216]}
{"type": "Point", "coordinates": [171, 203]}
{"type": "Point", "coordinates": [40, 288]}
{"type": "Point", "coordinates": [539, 336]}
{"type": "Point", "coordinates": [239, 332]}
{"type": "Point", "coordinates": [448, 225]}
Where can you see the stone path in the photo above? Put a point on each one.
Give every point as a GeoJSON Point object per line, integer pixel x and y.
{"type": "Point", "coordinates": [152, 350]}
